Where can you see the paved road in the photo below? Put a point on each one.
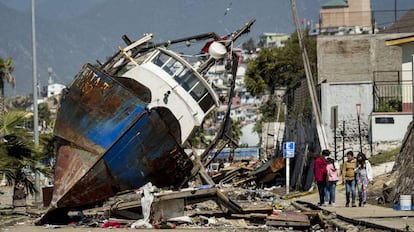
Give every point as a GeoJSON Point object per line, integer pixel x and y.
{"type": "Point", "coordinates": [388, 218]}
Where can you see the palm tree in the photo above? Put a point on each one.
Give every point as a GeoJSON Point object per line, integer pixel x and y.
{"type": "Point", "coordinates": [11, 123]}
{"type": "Point", "coordinates": [18, 157]}
{"type": "Point", "coordinates": [6, 68]}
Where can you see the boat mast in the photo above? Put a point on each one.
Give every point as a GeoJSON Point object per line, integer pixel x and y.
{"type": "Point", "coordinates": [309, 78]}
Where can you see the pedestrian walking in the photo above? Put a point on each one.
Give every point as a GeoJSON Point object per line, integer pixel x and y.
{"type": "Point", "coordinates": [332, 175]}
{"type": "Point", "coordinates": [363, 172]}
{"type": "Point", "coordinates": [319, 167]}
{"type": "Point", "coordinates": [348, 177]}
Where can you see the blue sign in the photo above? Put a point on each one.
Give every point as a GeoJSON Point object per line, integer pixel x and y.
{"type": "Point", "coordinates": [288, 149]}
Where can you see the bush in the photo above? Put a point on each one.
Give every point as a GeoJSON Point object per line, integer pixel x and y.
{"type": "Point", "coordinates": [384, 157]}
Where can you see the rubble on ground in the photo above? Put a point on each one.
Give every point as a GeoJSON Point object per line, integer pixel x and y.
{"type": "Point", "coordinates": [239, 200]}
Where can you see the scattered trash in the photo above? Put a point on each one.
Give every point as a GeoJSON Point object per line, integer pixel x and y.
{"type": "Point", "coordinates": [146, 201]}
{"type": "Point", "coordinates": [111, 224]}
{"type": "Point", "coordinates": [163, 224]}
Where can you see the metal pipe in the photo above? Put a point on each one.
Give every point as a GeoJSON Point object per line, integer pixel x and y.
{"type": "Point", "coordinates": [358, 107]}
{"type": "Point", "coordinates": [343, 141]}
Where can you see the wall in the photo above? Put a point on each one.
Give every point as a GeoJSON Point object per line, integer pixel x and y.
{"type": "Point", "coordinates": [356, 57]}
{"type": "Point", "coordinates": [389, 126]}
{"type": "Point", "coordinates": [407, 61]}
{"type": "Point", "coordinates": [345, 96]}
{"type": "Point", "coordinates": [248, 136]}
{"type": "Point", "coordinates": [346, 69]}
{"type": "Point", "coordinates": [379, 131]}
{"type": "Point", "coordinates": [334, 17]}
{"type": "Point", "coordinates": [360, 13]}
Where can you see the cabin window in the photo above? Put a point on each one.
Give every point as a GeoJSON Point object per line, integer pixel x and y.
{"type": "Point", "coordinates": [186, 79]}
{"type": "Point", "coordinates": [198, 91]}
{"type": "Point", "coordinates": [207, 102]}
{"type": "Point", "coordinates": [183, 75]}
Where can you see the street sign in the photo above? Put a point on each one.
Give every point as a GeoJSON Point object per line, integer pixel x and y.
{"type": "Point", "coordinates": [288, 149]}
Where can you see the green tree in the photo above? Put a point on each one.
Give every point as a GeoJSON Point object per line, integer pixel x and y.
{"type": "Point", "coordinates": [200, 140]}
{"type": "Point", "coordinates": [6, 69]}
{"type": "Point", "coordinates": [44, 112]}
{"type": "Point", "coordinates": [275, 68]}
{"type": "Point", "coordinates": [19, 157]}
{"type": "Point", "coordinates": [279, 66]}
{"type": "Point", "coordinates": [44, 116]}
{"type": "Point", "coordinates": [13, 123]}
{"type": "Point", "coordinates": [235, 132]}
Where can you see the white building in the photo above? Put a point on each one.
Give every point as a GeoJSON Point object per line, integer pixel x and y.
{"type": "Point", "coordinates": [54, 89]}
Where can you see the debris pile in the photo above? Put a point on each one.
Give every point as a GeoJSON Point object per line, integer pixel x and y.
{"type": "Point", "coordinates": [239, 200]}
{"type": "Point", "coordinates": [206, 206]}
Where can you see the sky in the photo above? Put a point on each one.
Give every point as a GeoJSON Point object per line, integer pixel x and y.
{"type": "Point", "coordinates": [168, 19]}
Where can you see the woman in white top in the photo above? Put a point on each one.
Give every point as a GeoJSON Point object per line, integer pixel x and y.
{"type": "Point", "coordinates": [363, 173]}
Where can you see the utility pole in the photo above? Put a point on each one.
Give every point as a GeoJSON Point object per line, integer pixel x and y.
{"type": "Point", "coordinates": [35, 111]}
{"type": "Point", "coordinates": [309, 78]}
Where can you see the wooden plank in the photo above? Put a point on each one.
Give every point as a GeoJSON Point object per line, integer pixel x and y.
{"type": "Point", "coordinates": [287, 223]}
{"type": "Point", "coordinates": [187, 194]}
{"type": "Point", "coordinates": [264, 209]}
{"type": "Point", "coordinates": [312, 212]}
{"type": "Point", "coordinates": [238, 215]}
{"type": "Point", "coordinates": [228, 203]}
{"type": "Point", "coordinates": [138, 42]}
{"type": "Point", "coordinates": [289, 216]}
{"type": "Point", "coordinates": [236, 183]}
{"type": "Point", "coordinates": [258, 215]}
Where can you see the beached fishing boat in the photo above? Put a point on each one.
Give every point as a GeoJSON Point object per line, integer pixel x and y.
{"type": "Point", "coordinates": [123, 123]}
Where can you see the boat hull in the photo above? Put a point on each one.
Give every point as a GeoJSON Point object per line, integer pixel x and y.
{"type": "Point", "coordinates": [108, 141]}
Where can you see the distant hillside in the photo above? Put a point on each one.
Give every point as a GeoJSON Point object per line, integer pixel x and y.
{"type": "Point", "coordinates": [62, 46]}
{"type": "Point", "coordinates": [70, 33]}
